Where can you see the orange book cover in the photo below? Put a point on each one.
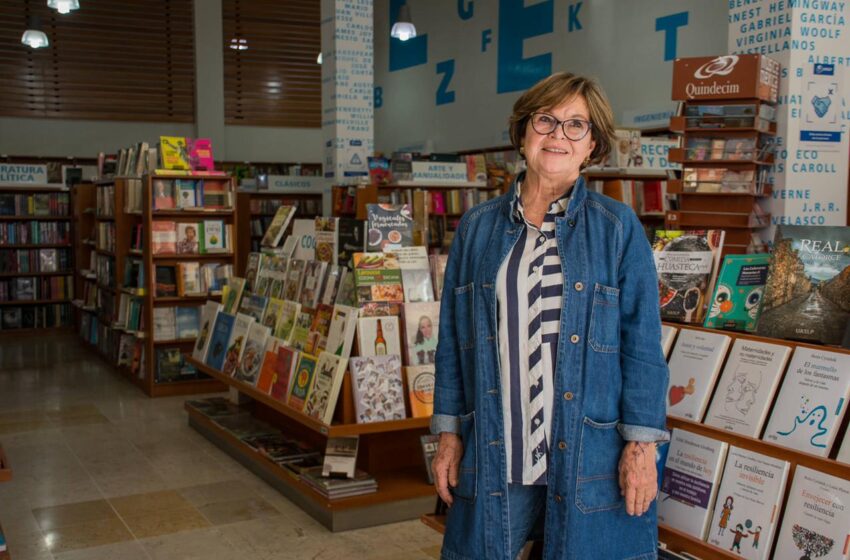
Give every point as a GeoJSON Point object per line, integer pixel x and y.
{"type": "Point", "coordinates": [268, 371]}
{"type": "Point", "coordinates": [420, 389]}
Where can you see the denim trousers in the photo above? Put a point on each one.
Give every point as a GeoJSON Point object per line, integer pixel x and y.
{"type": "Point", "coordinates": [527, 513]}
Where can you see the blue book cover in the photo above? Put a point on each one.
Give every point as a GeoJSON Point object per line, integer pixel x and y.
{"type": "Point", "coordinates": [188, 322]}
{"type": "Point", "coordinates": [220, 337]}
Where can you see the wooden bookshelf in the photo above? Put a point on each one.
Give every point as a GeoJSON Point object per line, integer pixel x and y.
{"type": "Point", "coordinates": [58, 308]}
{"type": "Point", "coordinates": [5, 467]}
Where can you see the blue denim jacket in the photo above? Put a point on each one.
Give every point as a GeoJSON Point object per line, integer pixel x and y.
{"type": "Point", "coordinates": [610, 381]}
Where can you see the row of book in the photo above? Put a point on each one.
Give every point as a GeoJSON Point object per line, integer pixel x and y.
{"type": "Point", "coordinates": [105, 236]}
{"type": "Point", "coordinates": [778, 295]}
{"type": "Point", "coordinates": [187, 279]}
{"type": "Point", "coordinates": [725, 180]}
{"type": "Point", "coordinates": [34, 233]}
{"type": "Point", "coordinates": [35, 316]}
{"type": "Point", "coordinates": [734, 149]}
{"type": "Point", "coordinates": [202, 237]}
{"type": "Point", "coordinates": [733, 498]}
{"type": "Point", "coordinates": [172, 153]}
{"type": "Point", "coordinates": [738, 115]}
{"type": "Point", "coordinates": [176, 323]}
{"type": "Point", "coordinates": [646, 198]}
{"type": "Point", "coordinates": [41, 204]}
{"type": "Point", "coordinates": [30, 288]}
{"type": "Point", "coordinates": [452, 201]}
{"type": "Point", "coordinates": [35, 260]}
{"type": "Point", "coordinates": [105, 270]}
{"type": "Point", "coordinates": [191, 195]}
{"type": "Point", "coordinates": [105, 201]}
{"type": "Point", "coordinates": [810, 388]}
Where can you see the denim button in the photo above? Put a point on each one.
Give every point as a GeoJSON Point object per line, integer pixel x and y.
{"type": "Point", "coordinates": [579, 286]}
{"type": "Point", "coordinates": [568, 396]}
{"type": "Point", "coordinates": [574, 338]}
{"type": "Point", "coordinates": [558, 498]}
{"type": "Point", "coordinates": [562, 445]}
{"type": "Point", "coordinates": [571, 223]}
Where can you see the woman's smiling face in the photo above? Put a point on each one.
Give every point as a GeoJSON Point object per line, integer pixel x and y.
{"type": "Point", "coordinates": [553, 155]}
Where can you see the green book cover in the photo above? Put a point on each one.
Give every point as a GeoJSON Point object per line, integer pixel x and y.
{"type": "Point", "coordinates": [736, 302]}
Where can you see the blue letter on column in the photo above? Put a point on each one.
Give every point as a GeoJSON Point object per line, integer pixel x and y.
{"type": "Point", "coordinates": [405, 54]}
{"type": "Point", "coordinates": [447, 67]}
{"type": "Point", "coordinates": [465, 12]}
{"type": "Point", "coordinates": [486, 39]}
{"type": "Point", "coordinates": [669, 25]}
{"type": "Point", "coordinates": [517, 23]}
{"type": "Point", "coordinates": [574, 23]}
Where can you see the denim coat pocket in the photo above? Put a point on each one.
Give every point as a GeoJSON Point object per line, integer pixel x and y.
{"type": "Point", "coordinates": [465, 316]}
{"type": "Point", "coordinates": [605, 319]}
{"type": "Point", "coordinates": [598, 482]}
{"type": "Point", "coordinates": [467, 472]}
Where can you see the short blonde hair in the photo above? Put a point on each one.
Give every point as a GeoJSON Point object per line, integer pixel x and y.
{"type": "Point", "coordinates": [559, 88]}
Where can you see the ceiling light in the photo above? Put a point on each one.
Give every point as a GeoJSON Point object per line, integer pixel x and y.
{"type": "Point", "coordinates": [403, 29]}
{"type": "Point", "coordinates": [319, 59]}
{"type": "Point", "coordinates": [64, 6]}
{"type": "Point", "coordinates": [34, 37]}
{"type": "Point", "coordinates": [239, 44]}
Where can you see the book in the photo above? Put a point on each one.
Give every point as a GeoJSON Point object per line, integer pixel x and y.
{"type": "Point", "coordinates": [189, 279]}
{"type": "Point", "coordinates": [415, 274]}
{"type": "Point", "coordinates": [748, 504]}
{"type": "Point", "coordinates": [169, 362]}
{"type": "Point", "coordinates": [300, 338]}
{"type": "Point", "coordinates": [252, 268]}
{"type": "Point", "coordinates": [199, 152]}
{"type": "Point", "coordinates": [219, 339]}
{"type": "Point", "coordinates": [341, 332]}
{"type": "Point", "coordinates": [213, 237]}
{"type": "Point", "coordinates": [174, 152]}
{"type": "Point", "coordinates": [811, 402]}
{"type": "Point", "coordinates": [163, 194]}
{"type": "Point", "coordinates": [188, 321]}
{"type": "Point", "coordinates": [321, 403]}
{"type": "Point", "coordinates": [282, 217]}
{"type": "Point", "coordinates": [340, 456]}
{"type": "Point", "coordinates": [187, 238]}
{"type": "Point", "coordinates": [236, 344]}
{"type": "Point", "coordinates": [378, 388]}
{"type": "Point", "coordinates": [254, 306]}
{"type": "Point", "coordinates": [164, 323]}
{"type": "Point", "coordinates": [268, 368]}
{"type": "Point", "coordinates": [687, 263]}
{"type": "Point", "coordinates": [327, 239]}
{"type": "Point", "coordinates": [807, 295]}
{"type": "Point", "coordinates": [668, 335]}
{"type": "Point", "coordinates": [312, 284]}
{"type": "Point", "coordinates": [294, 280]}
{"type": "Point", "coordinates": [390, 226]}
{"type": "Point", "coordinates": [689, 482]}
{"type": "Point", "coordinates": [377, 336]}
{"type": "Point", "coordinates": [302, 381]}
{"type": "Point", "coordinates": [253, 354]}
{"type": "Point", "coordinates": [185, 194]}
{"type": "Point", "coordinates": [346, 295]}
{"type": "Point", "coordinates": [844, 452]}
{"type": "Point", "coordinates": [747, 386]}
{"type": "Point", "coordinates": [817, 518]}
{"type": "Point", "coordinates": [333, 280]}
{"type": "Point", "coordinates": [163, 237]}
{"type": "Point", "coordinates": [305, 231]}
{"type": "Point", "coordinates": [438, 272]}
{"type": "Point", "coordinates": [350, 240]}
{"type": "Point", "coordinates": [285, 371]}
{"type": "Point", "coordinates": [209, 312]}
{"type": "Point", "coordinates": [290, 312]}
{"type": "Point", "coordinates": [422, 327]}
{"type": "Point", "coordinates": [736, 301]}
{"type": "Point", "coordinates": [273, 313]}
{"type": "Point", "coordinates": [321, 326]}
{"type": "Point", "coordinates": [420, 389]}
{"type": "Point", "coordinates": [233, 296]}
{"type": "Point", "coordinates": [377, 277]}
{"type": "Point", "coordinates": [430, 443]}
{"type": "Point", "coordinates": [694, 366]}
{"type": "Point", "coordinates": [216, 195]}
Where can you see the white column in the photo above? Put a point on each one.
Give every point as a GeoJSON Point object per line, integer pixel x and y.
{"type": "Point", "coordinates": [209, 75]}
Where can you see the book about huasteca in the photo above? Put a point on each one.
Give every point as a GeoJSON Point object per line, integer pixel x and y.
{"type": "Point", "coordinates": [690, 480]}
{"type": "Point", "coordinates": [748, 503]}
{"type": "Point", "coordinates": [747, 386]}
{"type": "Point", "coordinates": [389, 226]}
{"type": "Point", "coordinates": [738, 294]}
{"type": "Point", "coordinates": [817, 518]}
{"type": "Point", "coordinates": [687, 264]}
{"type": "Point", "coordinates": [694, 366]}
{"type": "Point", "coordinates": [277, 228]}
{"type": "Point", "coordinates": [807, 296]}
{"type": "Point", "coordinates": [811, 402]}
{"type": "Point", "coordinates": [378, 388]}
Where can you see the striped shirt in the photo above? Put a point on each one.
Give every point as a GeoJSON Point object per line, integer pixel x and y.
{"type": "Point", "coordinates": [529, 291]}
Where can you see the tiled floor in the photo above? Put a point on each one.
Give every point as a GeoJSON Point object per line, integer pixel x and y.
{"type": "Point", "coordinates": [103, 472]}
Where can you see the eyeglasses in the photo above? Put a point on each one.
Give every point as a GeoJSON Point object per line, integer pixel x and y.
{"type": "Point", "coordinates": [574, 129]}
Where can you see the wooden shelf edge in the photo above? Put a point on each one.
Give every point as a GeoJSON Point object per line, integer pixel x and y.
{"type": "Point", "coordinates": [434, 521]}
{"type": "Point", "coordinates": [677, 541]}
{"type": "Point", "coordinates": [5, 467]}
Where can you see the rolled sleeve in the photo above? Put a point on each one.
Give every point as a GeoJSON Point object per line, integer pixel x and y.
{"type": "Point", "coordinates": [642, 433]}
{"type": "Point", "coordinates": [445, 423]}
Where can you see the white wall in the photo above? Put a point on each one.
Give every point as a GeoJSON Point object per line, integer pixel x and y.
{"type": "Point", "coordinates": [617, 43]}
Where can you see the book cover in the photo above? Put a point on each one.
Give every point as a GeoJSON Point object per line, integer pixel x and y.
{"type": "Point", "coordinates": [378, 336]}
{"type": "Point", "coordinates": [219, 339]}
{"type": "Point", "coordinates": [389, 226]}
{"type": "Point", "coordinates": [321, 326]}
{"type": "Point", "coordinates": [844, 452]}
{"type": "Point", "coordinates": [379, 171]}
{"type": "Point", "coordinates": [668, 335]}
{"type": "Point", "coordinates": [305, 231]}
{"type": "Point", "coordinates": [253, 354]}
{"type": "Point", "coordinates": [333, 279]}
{"type": "Point", "coordinates": [163, 194]}
{"type": "Point", "coordinates": [347, 294]}
{"type": "Point", "coordinates": [420, 389]}
{"type": "Point", "coordinates": [169, 362]}
{"type": "Point", "coordinates": [807, 295]}
{"type": "Point", "coordinates": [188, 322]}
{"type": "Point", "coordinates": [302, 382]}
{"type": "Point", "coordinates": [252, 268]}
{"type": "Point", "coordinates": [749, 501]}
{"type": "Point", "coordinates": [300, 338]}
{"type": "Point", "coordinates": [294, 280]}
{"type": "Point", "coordinates": [277, 228]}
{"type": "Point", "coordinates": [738, 294]}
{"type": "Point", "coordinates": [817, 518]}
{"type": "Point", "coordinates": [254, 306]}
{"type": "Point", "coordinates": [189, 279]}
{"type": "Point", "coordinates": [341, 331]}
{"type": "Point", "coordinates": [312, 284]}
{"type": "Point", "coordinates": [415, 274]}
{"type": "Point", "coordinates": [747, 386]}
{"type": "Point", "coordinates": [209, 312]}
{"type": "Point", "coordinates": [200, 154]}
{"type": "Point", "coordinates": [236, 344]}
{"type": "Point", "coordinates": [422, 327]}
{"type": "Point", "coordinates": [687, 263]}
{"type": "Point", "coordinates": [689, 482]}
{"type": "Point", "coordinates": [286, 323]}
{"type": "Point", "coordinates": [268, 368]}
{"type": "Point", "coordinates": [378, 388]}
{"type": "Point", "coordinates": [185, 193]}
{"type": "Point", "coordinates": [216, 195]}
{"type": "Point", "coordinates": [273, 313]}
{"type": "Point", "coordinates": [811, 401]}
{"type": "Point", "coordinates": [213, 237]}
{"type": "Point", "coordinates": [287, 359]}
{"type": "Point", "coordinates": [321, 403]}
{"type": "Point", "coordinates": [377, 277]}
{"type": "Point", "coordinates": [340, 456]}
{"type": "Point", "coordinates": [174, 152]}
{"type": "Point", "coordinates": [164, 323]}
{"type": "Point", "coordinates": [694, 366]}
{"type": "Point", "coordinates": [327, 238]}
{"type": "Point", "coordinates": [438, 272]}
{"type": "Point", "coordinates": [233, 294]}
{"type": "Point", "coordinates": [430, 443]}
{"type": "Point", "coordinates": [351, 240]}
{"type": "Point", "coordinates": [163, 237]}
{"type": "Point", "coordinates": [187, 238]}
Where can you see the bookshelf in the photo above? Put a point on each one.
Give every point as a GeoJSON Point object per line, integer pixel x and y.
{"type": "Point", "coordinates": [36, 258]}
{"type": "Point", "coordinates": [85, 284]}
{"type": "Point", "coordinates": [388, 450]}
{"type": "Point", "coordinates": [645, 190]}
{"type": "Point", "coordinates": [257, 208]}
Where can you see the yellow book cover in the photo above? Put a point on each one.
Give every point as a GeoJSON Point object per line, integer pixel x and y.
{"type": "Point", "coordinates": [174, 152]}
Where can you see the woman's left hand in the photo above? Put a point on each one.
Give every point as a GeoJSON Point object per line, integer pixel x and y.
{"type": "Point", "coordinates": [638, 477]}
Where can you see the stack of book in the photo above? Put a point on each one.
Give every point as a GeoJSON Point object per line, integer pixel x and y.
{"type": "Point", "coordinates": [336, 488]}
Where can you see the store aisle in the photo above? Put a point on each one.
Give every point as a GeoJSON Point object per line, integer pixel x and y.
{"type": "Point", "coordinates": [103, 472]}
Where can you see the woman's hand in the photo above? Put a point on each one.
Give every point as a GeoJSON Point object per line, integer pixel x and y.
{"type": "Point", "coordinates": [638, 477]}
{"type": "Point", "coordinates": [446, 464]}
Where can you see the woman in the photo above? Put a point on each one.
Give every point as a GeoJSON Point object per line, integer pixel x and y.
{"type": "Point", "coordinates": [550, 378]}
